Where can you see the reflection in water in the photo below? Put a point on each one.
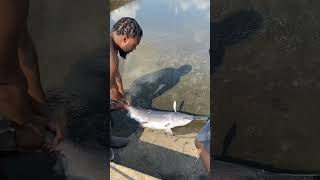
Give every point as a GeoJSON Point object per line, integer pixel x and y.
{"type": "Point", "coordinates": [170, 41]}
{"type": "Point", "coordinates": [191, 5]}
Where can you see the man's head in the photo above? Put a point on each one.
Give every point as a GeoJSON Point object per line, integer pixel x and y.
{"type": "Point", "coordinates": [128, 35]}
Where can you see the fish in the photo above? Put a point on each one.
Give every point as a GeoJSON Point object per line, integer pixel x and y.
{"type": "Point", "coordinates": [163, 120]}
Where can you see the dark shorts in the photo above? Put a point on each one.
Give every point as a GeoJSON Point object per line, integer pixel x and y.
{"type": "Point", "coordinates": [7, 135]}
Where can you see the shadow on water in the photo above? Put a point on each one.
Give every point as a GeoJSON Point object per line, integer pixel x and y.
{"type": "Point", "coordinates": [232, 30]}
{"type": "Point", "coordinates": [152, 85]}
{"type": "Point", "coordinates": [142, 91]}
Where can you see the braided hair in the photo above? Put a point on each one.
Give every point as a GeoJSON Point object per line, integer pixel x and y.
{"type": "Point", "coordinates": [127, 26]}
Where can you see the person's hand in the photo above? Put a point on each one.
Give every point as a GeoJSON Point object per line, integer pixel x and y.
{"type": "Point", "coordinates": [198, 145]}
{"type": "Point", "coordinates": [122, 94]}
{"type": "Point", "coordinates": [120, 104]}
{"type": "Point", "coordinates": [57, 123]}
{"type": "Point", "coordinates": [30, 136]}
{"type": "Point", "coordinates": [203, 155]}
{"type": "Point", "coordinates": [54, 122]}
{"type": "Point", "coordinates": [128, 104]}
{"type": "Point", "coordinates": [116, 95]}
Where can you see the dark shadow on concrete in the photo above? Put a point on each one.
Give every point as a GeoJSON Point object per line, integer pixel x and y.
{"type": "Point", "coordinates": [231, 30]}
{"type": "Point", "coordinates": [77, 178]}
{"type": "Point", "coordinates": [149, 167]}
{"type": "Point", "coordinates": [266, 167]}
{"type": "Point", "coordinates": [30, 165]}
{"type": "Point", "coordinates": [231, 171]}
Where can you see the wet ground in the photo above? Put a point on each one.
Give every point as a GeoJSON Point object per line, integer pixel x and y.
{"type": "Point", "coordinates": [171, 63]}
{"type": "Point", "coordinates": [266, 84]}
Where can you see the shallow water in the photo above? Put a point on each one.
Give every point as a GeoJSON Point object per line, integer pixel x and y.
{"type": "Point", "coordinates": [170, 64]}
{"type": "Point", "coordinates": [172, 60]}
{"type": "Point", "coordinates": [267, 85]}
{"type": "Point", "coordinates": [174, 37]}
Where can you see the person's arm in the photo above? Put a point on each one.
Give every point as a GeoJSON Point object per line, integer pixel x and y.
{"type": "Point", "coordinates": [29, 64]}
{"type": "Point", "coordinates": [114, 64]}
{"type": "Point", "coordinates": [205, 158]}
{"type": "Point", "coordinates": [204, 155]}
{"type": "Point", "coordinates": [114, 93]}
{"type": "Point", "coordinates": [119, 83]}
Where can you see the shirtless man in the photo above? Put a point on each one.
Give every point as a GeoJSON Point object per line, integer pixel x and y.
{"type": "Point", "coordinates": [22, 99]}
{"type": "Point", "coordinates": [124, 38]}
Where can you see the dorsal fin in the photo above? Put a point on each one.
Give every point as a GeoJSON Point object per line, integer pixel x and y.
{"type": "Point", "coordinates": [175, 106]}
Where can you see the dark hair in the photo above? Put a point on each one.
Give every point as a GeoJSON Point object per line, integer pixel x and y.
{"type": "Point", "coordinates": [128, 27]}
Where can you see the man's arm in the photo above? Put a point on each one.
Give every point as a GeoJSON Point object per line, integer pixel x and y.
{"type": "Point", "coordinates": [29, 64]}
{"type": "Point", "coordinates": [204, 155]}
{"type": "Point", "coordinates": [119, 83]}
{"type": "Point", "coordinates": [114, 64]}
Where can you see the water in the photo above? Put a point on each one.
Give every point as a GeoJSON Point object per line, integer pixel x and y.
{"type": "Point", "coordinates": [170, 64]}
{"type": "Point", "coordinates": [172, 60]}
{"type": "Point", "coordinates": [267, 85]}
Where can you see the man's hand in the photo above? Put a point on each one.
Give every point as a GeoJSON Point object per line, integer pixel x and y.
{"type": "Point", "coordinates": [199, 146]}
{"type": "Point", "coordinates": [119, 100]}
{"type": "Point", "coordinates": [30, 136]}
{"type": "Point", "coordinates": [115, 94]}
{"type": "Point", "coordinates": [203, 154]}
{"type": "Point", "coordinates": [120, 104]}
{"type": "Point", "coordinates": [57, 123]}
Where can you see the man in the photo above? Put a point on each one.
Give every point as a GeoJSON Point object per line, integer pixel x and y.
{"type": "Point", "coordinates": [23, 106]}
{"type": "Point", "coordinates": [124, 38]}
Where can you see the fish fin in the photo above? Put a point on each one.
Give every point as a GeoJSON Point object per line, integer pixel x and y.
{"type": "Point", "coordinates": [175, 106]}
{"type": "Point", "coordinates": [168, 131]}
